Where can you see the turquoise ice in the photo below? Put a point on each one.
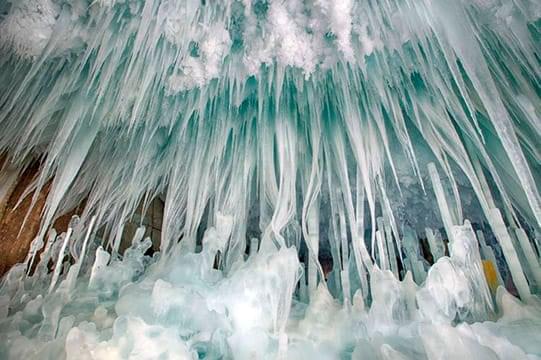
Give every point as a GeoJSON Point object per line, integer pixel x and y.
{"type": "Point", "coordinates": [305, 151]}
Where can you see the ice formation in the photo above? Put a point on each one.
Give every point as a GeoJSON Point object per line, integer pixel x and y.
{"type": "Point", "coordinates": [353, 179]}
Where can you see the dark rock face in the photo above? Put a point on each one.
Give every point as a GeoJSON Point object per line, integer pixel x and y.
{"type": "Point", "coordinates": [16, 234]}
{"type": "Point", "coordinates": [15, 239]}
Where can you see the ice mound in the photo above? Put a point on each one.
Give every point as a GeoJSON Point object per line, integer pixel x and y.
{"type": "Point", "coordinates": [183, 307]}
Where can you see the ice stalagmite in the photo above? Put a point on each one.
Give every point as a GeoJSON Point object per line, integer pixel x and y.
{"type": "Point", "coordinates": [354, 179]}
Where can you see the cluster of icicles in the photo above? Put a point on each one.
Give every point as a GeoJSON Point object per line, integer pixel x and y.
{"type": "Point", "coordinates": [278, 133]}
{"type": "Point", "coordinates": [81, 303]}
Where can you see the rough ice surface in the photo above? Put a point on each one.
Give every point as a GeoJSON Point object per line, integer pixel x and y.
{"type": "Point", "coordinates": [341, 179]}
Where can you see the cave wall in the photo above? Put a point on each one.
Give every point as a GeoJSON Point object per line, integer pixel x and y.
{"type": "Point", "coordinates": [15, 239]}
{"type": "Point", "coordinates": [16, 234]}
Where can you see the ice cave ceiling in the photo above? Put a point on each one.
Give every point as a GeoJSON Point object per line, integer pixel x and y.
{"type": "Point", "coordinates": [340, 179]}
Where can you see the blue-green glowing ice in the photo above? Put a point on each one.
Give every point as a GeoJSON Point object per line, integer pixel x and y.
{"type": "Point", "coordinates": [300, 130]}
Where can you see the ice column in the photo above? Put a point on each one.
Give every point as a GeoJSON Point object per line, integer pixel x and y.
{"type": "Point", "coordinates": [510, 254]}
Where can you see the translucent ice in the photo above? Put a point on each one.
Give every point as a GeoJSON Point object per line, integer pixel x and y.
{"type": "Point", "coordinates": [339, 179]}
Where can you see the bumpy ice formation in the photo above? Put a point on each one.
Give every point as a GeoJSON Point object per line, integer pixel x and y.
{"type": "Point", "coordinates": [346, 179]}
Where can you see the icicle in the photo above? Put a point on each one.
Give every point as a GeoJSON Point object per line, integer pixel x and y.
{"type": "Point", "coordinates": [74, 270]}
{"type": "Point", "coordinates": [435, 242]}
{"type": "Point", "coordinates": [254, 243]}
{"type": "Point", "coordinates": [442, 202]}
{"type": "Point", "coordinates": [537, 239]}
{"type": "Point", "coordinates": [411, 248]}
{"type": "Point", "coordinates": [302, 127]}
{"type": "Point", "coordinates": [382, 253]}
{"type": "Point", "coordinates": [510, 254]}
{"type": "Point", "coordinates": [346, 288]}
{"type": "Point", "coordinates": [465, 253]}
{"type": "Point", "coordinates": [100, 262]}
{"type": "Point", "coordinates": [529, 254]}
{"type": "Point", "coordinates": [58, 265]}
{"type": "Point", "coordinates": [35, 247]}
{"type": "Point", "coordinates": [313, 233]}
{"type": "Point", "coordinates": [391, 249]}
{"type": "Point", "coordinates": [45, 255]}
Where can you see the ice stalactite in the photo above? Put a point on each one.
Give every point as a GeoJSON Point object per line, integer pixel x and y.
{"type": "Point", "coordinates": [341, 179]}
